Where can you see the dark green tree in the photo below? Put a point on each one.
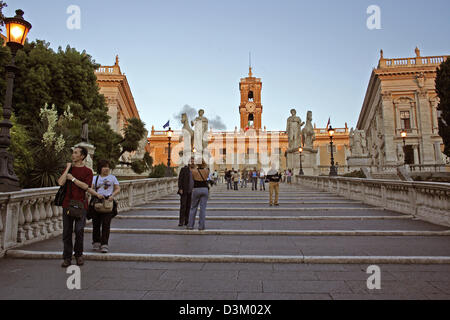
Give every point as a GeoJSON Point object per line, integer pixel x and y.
{"type": "Point", "coordinates": [63, 78]}
{"type": "Point", "coordinates": [160, 171]}
{"type": "Point", "coordinates": [443, 91]}
{"type": "Point", "coordinates": [2, 17]}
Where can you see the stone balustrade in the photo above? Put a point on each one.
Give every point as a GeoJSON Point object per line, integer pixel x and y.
{"type": "Point", "coordinates": [412, 62]}
{"type": "Point", "coordinates": [30, 215]}
{"type": "Point", "coordinates": [424, 200]}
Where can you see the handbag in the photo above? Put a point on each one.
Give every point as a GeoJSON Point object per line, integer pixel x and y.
{"type": "Point", "coordinates": [76, 207]}
{"type": "Point", "coordinates": [104, 206]}
{"type": "Point", "coordinates": [61, 194]}
{"type": "Point", "coordinates": [101, 205]}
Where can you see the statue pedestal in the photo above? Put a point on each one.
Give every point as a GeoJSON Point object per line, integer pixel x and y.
{"type": "Point", "coordinates": [309, 162]}
{"type": "Point", "coordinates": [358, 162]}
{"type": "Point", "coordinates": [91, 150]}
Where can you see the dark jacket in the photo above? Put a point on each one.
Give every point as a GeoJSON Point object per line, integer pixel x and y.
{"type": "Point", "coordinates": [183, 180]}
{"type": "Point", "coordinates": [273, 176]}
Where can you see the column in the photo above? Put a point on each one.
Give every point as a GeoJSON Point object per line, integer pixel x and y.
{"type": "Point", "coordinates": [416, 154]}
{"type": "Point", "coordinates": [426, 145]}
{"type": "Point", "coordinates": [438, 154]}
{"type": "Point", "coordinates": [388, 129]}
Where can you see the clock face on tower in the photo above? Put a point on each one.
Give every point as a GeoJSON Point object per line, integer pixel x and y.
{"type": "Point", "coordinates": [250, 107]}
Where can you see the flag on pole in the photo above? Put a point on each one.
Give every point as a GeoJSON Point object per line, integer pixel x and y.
{"type": "Point", "coordinates": [166, 125]}
{"type": "Point", "coordinates": [328, 123]}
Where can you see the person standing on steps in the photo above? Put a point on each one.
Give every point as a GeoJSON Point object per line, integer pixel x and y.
{"type": "Point", "coordinates": [235, 180]}
{"type": "Point", "coordinates": [199, 196]}
{"type": "Point", "coordinates": [106, 185]}
{"type": "Point", "coordinates": [79, 178]}
{"type": "Point", "coordinates": [185, 186]}
{"type": "Point", "coordinates": [254, 177]}
{"type": "Point", "coordinates": [289, 176]}
{"type": "Point", "coordinates": [274, 178]}
{"type": "Point", "coordinates": [228, 179]}
{"type": "Point", "coordinates": [262, 180]}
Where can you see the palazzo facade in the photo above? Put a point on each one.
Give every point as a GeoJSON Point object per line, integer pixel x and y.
{"type": "Point", "coordinates": [400, 96]}
{"type": "Point", "coordinates": [251, 145]}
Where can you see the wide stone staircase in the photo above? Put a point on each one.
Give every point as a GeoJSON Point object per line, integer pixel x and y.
{"type": "Point", "coordinates": [308, 227]}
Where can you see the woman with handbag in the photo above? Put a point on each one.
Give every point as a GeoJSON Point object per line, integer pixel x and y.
{"type": "Point", "coordinates": [103, 210]}
{"type": "Point", "coordinates": [199, 195]}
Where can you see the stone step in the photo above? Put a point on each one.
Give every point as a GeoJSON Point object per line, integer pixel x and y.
{"type": "Point", "coordinates": [274, 209]}
{"type": "Point", "coordinates": [270, 218]}
{"type": "Point", "coordinates": [394, 233]}
{"type": "Point", "coordinates": [215, 202]}
{"type": "Point", "coordinates": [274, 212]}
{"type": "Point", "coordinates": [335, 224]}
{"type": "Point", "coordinates": [301, 259]}
{"type": "Point", "coordinates": [197, 242]}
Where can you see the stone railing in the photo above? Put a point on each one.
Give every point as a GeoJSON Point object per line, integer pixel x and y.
{"type": "Point", "coordinates": [29, 215]}
{"type": "Point", "coordinates": [412, 62]}
{"type": "Point", "coordinates": [424, 200]}
{"type": "Point", "coordinates": [429, 168]}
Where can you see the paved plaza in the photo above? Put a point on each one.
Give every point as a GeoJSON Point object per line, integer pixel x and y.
{"type": "Point", "coordinates": [315, 245]}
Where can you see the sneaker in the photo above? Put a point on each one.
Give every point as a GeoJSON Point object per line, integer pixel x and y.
{"type": "Point", "coordinates": [80, 261]}
{"type": "Point", "coordinates": [277, 204]}
{"type": "Point", "coordinates": [66, 263]}
{"type": "Point", "coordinates": [189, 228]}
{"type": "Point", "coordinates": [270, 204]}
{"type": "Point", "coordinates": [104, 248]}
{"type": "Point", "coordinates": [96, 246]}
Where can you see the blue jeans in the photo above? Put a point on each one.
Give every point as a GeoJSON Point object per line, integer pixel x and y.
{"type": "Point", "coordinates": [199, 197]}
{"type": "Point", "coordinates": [262, 183]}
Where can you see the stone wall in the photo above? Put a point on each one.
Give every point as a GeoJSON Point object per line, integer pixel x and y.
{"type": "Point", "coordinates": [29, 215]}
{"type": "Point", "coordinates": [424, 200]}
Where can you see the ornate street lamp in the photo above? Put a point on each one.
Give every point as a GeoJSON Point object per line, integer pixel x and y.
{"type": "Point", "coordinates": [16, 33]}
{"type": "Point", "coordinates": [169, 135]}
{"type": "Point", "coordinates": [333, 171]}
{"type": "Point", "coordinates": [300, 150]}
{"type": "Point", "coordinates": [403, 133]}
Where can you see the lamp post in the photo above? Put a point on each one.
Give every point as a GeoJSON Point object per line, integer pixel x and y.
{"type": "Point", "coordinates": [16, 32]}
{"type": "Point", "coordinates": [169, 135]}
{"type": "Point", "coordinates": [333, 171]}
{"type": "Point", "coordinates": [300, 150]}
{"type": "Point", "coordinates": [403, 133]}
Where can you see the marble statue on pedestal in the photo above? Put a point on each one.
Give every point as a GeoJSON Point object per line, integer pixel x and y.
{"type": "Point", "coordinates": [293, 130]}
{"type": "Point", "coordinates": [200, 125]}
{"type": "Point", "coordinates": [308, 134]}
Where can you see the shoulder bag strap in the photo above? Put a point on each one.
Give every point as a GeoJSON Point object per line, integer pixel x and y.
{"type": "Point", "coordinates": [96, 180]}
{"type": "Point", "coordinates": [200, 174]}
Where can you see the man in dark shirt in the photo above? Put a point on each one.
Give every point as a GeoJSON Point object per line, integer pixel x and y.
{"type": "Point", "coordinates": [79, 178]}
{"type": "Point", "coordinates": [274, 178]}
{"type": "Point", "coordinates": [228, 175]}
{"type": "Point", "coordinates": [185, 186]}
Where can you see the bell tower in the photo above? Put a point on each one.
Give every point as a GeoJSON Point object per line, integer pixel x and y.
{"type": "Point", "coordinates": [250, 108]}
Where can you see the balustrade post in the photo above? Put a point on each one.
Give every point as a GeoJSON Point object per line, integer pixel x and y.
{"type": "Point", "coordinates": [21, 237]}
{"type": "Point", "coordinates": [412, 193]}
{"type": "Point", "coordinates": [11, 226]}
{"type": "Point", "coordinates": [130, 196]}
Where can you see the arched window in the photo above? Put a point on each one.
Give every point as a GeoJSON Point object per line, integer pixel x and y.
{"type": "Point", "coordinates": [250, 96]}
{"type": "Point", "coordinates": [251, 120]}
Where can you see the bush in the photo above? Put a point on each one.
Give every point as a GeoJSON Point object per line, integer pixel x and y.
{"type": "Point", "coordinates": [160, 170]}
{"type": "Point", "coordinates": [355, 174]}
